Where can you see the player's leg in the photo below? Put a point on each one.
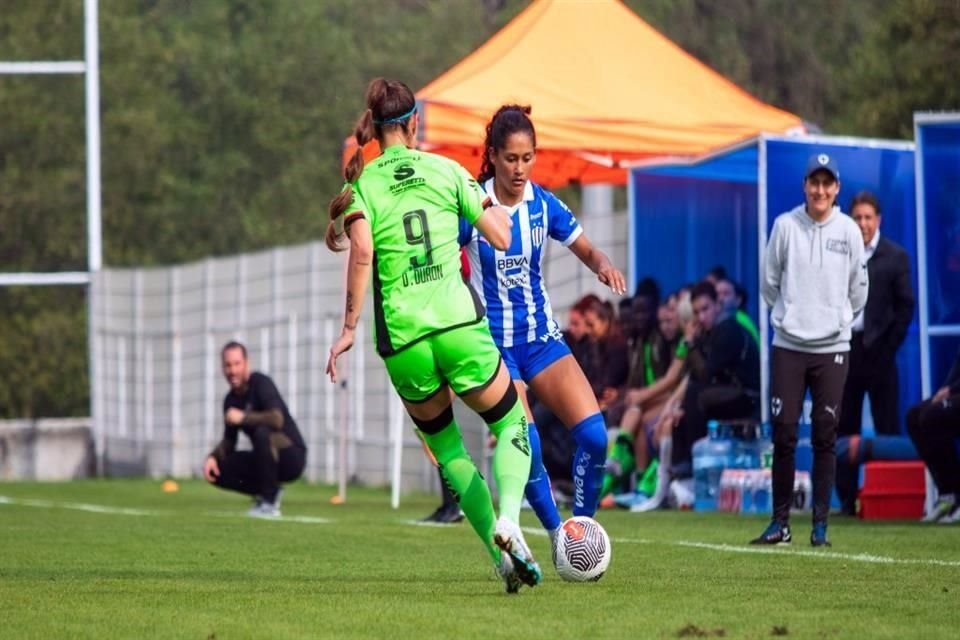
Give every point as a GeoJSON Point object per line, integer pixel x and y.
{"type": "Point", "coordinates": [565, 390]}
{"type": "Point", "coordinates": [472, 364]}
{"type": "Point", "coordinates": [426, 397]}
{"type": "Point", "coordinates": [521, 362]}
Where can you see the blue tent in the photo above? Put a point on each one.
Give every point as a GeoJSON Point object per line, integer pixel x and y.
{"type": "Point", "coordinates": [938, 231]}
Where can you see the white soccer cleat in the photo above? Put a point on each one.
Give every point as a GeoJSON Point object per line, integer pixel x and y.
{"type": "Point", "coordinates": [509, 538]}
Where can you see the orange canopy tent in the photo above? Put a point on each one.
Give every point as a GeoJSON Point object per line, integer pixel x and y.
{"type": "Point", "coordinates": [606, 90]}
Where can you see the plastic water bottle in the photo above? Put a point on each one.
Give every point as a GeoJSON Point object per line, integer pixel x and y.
{"type": "Point", "coordinates": [711, 455]}
{"type": "Point", "coordinates": [765, 446]}
{"type": "Point", "coordinates": [762, 492]}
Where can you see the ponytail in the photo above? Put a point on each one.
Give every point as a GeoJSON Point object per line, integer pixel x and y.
{"type": "Point", "coordinates": [389, 104]}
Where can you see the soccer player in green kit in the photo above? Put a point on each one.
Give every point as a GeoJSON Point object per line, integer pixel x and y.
{"type": "Point", "coordinates": [401, 214]}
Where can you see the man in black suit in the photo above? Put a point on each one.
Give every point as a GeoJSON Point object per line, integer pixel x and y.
{"type": "Point", "coordinates": [880, 329]}
{"type": "Point", "coordinates": [877, 334]}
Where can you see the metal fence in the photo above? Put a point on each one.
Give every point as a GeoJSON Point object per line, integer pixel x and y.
{"type": "Point", "coordinates": [158, 386]}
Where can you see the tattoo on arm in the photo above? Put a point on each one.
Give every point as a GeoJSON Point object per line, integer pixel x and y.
{"type": "Point", "coordinates": [350, 305]}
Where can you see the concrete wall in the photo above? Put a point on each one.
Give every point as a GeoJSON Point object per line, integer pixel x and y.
{"type": "Point", "coordinates": [54, 449]}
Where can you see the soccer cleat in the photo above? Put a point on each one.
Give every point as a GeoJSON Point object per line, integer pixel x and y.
{"type": "Point", "coordinates": [818, 537]}
{"type": "Point", "coordinates": [942, 509]}
{"type": "Point", "coordinates": [509, 538]}
{"type": "Point", "coordinates": [445, 514]}
{"type": "Point", "coordinates": [775, 533]}
{"type": "Point", "coordinates": [451, 515]}
{"type": "Point", "coordinates": [511, 581]}
{"type": "Point", "coordinates": [952, 516]}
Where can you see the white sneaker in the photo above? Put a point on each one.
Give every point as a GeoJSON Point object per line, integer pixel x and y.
{"type": "Point", "coordinates": [952, 517]}
{"type": "Point", "coordinates": [264, 509]}
{"type": "Point", "coordinates": [511, 581]}
{"type": "Point", "coordinates": [941, 510]}
{"type": "Point", "coordinates": [650, 504]}
{"type": "Point", "coordinates": [509, 538]}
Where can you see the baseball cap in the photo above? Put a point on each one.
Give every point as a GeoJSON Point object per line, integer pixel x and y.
{"type": "Point", "coordinates": [822, 161]}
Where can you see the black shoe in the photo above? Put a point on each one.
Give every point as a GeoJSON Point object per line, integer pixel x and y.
{"type": "Point", "coordinates": [818, 537]}
{"type": "Point", "coordinates": [436, 515]}
{"type": "Point", "coordinates": [445, 513]}
{"type": "Point", "coordinates": [450, 514]}
{"type": "Point", "coordinates": [775, 533]}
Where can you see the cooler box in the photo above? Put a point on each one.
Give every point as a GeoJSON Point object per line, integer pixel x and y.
{"type": "Point", "coordinates": [892, 491]}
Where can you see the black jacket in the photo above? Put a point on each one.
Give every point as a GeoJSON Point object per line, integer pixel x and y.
{"type": "Point", "coordinates": [890, 301]}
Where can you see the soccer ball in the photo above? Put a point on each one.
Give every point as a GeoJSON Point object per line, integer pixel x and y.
{"type": "Point", "coordinates": [583, 550]}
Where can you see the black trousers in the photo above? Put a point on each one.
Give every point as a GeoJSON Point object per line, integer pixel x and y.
{"type": "Point", "coordinates": [260, 472]}
{"type": "Point", "coordinates": [703, 402]}
{"type": "Point", "coordinates": [792, 373]}
{"type": "Point", "coordinates": [934, 429]}
{"type": "Point", "coordinates": [874, 375]}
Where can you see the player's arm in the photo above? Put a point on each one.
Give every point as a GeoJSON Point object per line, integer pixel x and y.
{"type": "Point", "coordinates": [359, 265]}
{"type": "Point", "coordinates": [493, 222]}
{"type": "Point", "coordinates": [598, 262]}
{"type": "Point", "coordinates": [564, 228]}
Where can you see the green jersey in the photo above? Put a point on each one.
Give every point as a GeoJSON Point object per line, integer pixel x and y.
{"type": "Point", "coordinates": [413, 201]}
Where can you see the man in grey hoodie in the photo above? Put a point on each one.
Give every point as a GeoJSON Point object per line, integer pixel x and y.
{"type": "Point", "coordinates": [815, 282]}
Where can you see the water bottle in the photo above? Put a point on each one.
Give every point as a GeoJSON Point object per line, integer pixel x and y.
{"type": "Point", "coordinates": [762, 492]}
{"type": "Point", "coordinates": [746, 495]}
{"type": "Point", "coordinates": [710, 456]}
{"type": "Point", "coordinates": [765, 446]}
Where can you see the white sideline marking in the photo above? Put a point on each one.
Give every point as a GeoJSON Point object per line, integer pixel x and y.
{"type": "Point", "coordinates": [241, 514]}
{"type": "Point", "coordinates": [730, 548]}
{"type": "Point", "coordinates": [78, 506]}
{"type": "Point", "coordinates": [418, 523]}
{"type": "Point", "coordinates": [122, 511]}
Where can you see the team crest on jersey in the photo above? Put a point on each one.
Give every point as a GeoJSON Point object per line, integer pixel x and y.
{"type": "Point", "coordinates": [536, 236]}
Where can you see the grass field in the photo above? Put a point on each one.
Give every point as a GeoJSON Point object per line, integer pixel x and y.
{"type": "Point", "coordinates": [121, 559]}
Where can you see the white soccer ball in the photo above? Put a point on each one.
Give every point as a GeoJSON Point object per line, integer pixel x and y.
{"type": "Point", "coordinates": [583, 550]}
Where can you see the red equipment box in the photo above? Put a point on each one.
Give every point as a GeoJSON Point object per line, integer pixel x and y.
{"type": "Point", "coordinates": [892, 491]}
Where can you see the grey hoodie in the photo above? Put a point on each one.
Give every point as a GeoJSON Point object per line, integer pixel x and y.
{"type": "Point", "coordinates": [814, 280]}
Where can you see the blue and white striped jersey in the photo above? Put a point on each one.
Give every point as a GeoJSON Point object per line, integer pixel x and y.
{"type": "Point", "coordinates": [510, 282]}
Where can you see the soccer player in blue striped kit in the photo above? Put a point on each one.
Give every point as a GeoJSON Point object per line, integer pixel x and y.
{"type": "Point", "coordinates": [521, 319]}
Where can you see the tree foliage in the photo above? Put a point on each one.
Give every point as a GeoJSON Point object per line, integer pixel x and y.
{"type": "Point", "coordinates": [223, 122]}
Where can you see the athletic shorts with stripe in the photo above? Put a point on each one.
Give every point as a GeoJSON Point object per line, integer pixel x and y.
{"type": "Point", "coordinates": [465, 357]}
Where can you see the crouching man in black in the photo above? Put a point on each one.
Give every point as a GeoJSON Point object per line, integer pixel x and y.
{"type": "Point", "coordinates": [253, 405]}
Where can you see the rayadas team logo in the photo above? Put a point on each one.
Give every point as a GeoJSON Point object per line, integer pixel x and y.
{"type": "Point", "coordinates": [536, 235]}
{"type": "Point", "coordinates": [823, 159]}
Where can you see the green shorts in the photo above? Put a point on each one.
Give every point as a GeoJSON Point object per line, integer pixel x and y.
{"type": "Point", "coordinates": [466, 358]}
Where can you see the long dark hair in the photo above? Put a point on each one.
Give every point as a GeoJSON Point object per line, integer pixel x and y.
{"type": "Point", "coordinates": [508, 120]}
{"type": "Point", "coordinates": [390, 105]}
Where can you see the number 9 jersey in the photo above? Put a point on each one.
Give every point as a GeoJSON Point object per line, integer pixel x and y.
{"type": "Point", "coordinates": [414, 202]}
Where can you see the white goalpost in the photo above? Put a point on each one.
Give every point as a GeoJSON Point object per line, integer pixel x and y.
{"type": "Point", "coordinates": [89, 67]}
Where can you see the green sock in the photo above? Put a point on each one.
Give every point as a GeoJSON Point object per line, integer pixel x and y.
{"type": "Point", "coordinates": [466, 483]}
{"type": "Point", "coordinates": [511, 460]}
{"type": "Point", "coordinates": [648, 482]}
